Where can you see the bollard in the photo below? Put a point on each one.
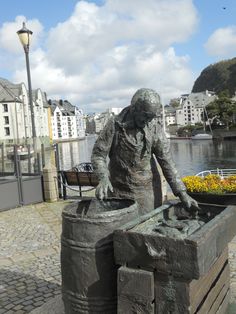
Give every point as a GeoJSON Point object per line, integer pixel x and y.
{"type": "Point", "coordinates": [50, 186]}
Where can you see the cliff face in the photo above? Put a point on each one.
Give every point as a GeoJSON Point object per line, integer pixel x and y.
{"type": "Point", "coordinates": [217, 77]}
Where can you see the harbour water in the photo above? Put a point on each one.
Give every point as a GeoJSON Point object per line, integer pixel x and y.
{"type": "Point", "coordinates": [73, 153]}
{"type": "Point", "coordinates": [190, 156]}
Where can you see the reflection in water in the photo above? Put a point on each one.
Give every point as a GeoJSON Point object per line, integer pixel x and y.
{"type": "Point", "coordinates": [73, 153]}
{"type": "Point", "coordinates": [190, 156]}
{"type": "Point", "coordinates": [194, 156]}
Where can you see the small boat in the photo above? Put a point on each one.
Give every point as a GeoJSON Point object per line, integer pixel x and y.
{"type": "Point", "coordinates": [202, 136]}
{"type": "Point", "coordinates": [22, 151]}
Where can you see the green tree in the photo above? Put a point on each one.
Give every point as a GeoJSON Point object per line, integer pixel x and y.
{"type": "Point", "coordinates": [223, 108]}
{"type": "Point", "coordinates": [174, 103]}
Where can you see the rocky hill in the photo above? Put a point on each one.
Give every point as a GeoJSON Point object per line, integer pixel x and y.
{"type": "Point", "coordinates": [217, 77]}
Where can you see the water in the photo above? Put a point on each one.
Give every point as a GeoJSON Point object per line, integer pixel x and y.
{"type": "Point", "coordinates": [73, 153]}
{"type": "Point", "coordinates": [190, 156]}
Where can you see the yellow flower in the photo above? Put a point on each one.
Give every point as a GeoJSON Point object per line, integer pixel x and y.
{"type": "Point", "coordinates": [210, 184]}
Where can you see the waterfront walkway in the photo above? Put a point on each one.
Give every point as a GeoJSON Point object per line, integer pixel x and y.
{"type": "Point", "coordinates": [30, 259]}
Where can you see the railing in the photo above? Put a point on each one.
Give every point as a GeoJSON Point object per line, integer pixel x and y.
{"type": "Point", "coordinates": [223, 173]}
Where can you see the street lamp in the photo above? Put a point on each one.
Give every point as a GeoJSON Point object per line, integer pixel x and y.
{"type": "Point", "coordinates": [25, 36]}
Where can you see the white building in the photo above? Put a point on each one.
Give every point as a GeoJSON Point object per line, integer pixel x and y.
{"type": "Point", "coordinates": [191, 107]}
{"type": "Point", "coordinates": [100, 119]}
{"type": "Point", "coordinates": [67, 120]}
{"type": "Point", "coordinates": [15, 114]}
{"type": "Point", "coordinates": [80, 123]}
{"type": "Point", "coordinates": [170, 116]}
{"type": "Point", "coordinates": [114, 110]}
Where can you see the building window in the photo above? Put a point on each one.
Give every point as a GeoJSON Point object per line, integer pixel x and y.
{"type": "Point", "coordinates": [5, 107]}
{"type": "Point", "coordinates": [7, 131]}
{"type": "Point", "coordinates": [6, 120]}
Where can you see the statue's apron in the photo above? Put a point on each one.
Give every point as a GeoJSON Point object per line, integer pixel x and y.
{"type": "Point", "coordinates": [133, 170]}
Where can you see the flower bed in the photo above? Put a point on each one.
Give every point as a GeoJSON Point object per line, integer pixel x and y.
{"type": "Point", "coordinates": [212, 189]}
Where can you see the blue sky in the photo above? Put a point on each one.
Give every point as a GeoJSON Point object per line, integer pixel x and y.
{"type": "Point", "coordinates": [96, 54]}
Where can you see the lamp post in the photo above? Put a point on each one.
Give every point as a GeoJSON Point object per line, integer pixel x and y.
{"type": "Point", "coordinates": [25, 36]}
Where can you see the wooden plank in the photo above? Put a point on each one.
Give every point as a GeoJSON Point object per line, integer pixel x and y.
{"type": "Point", "coordinates": [199, 288]}
{"type": "Point", "coordinates": [179, 296]}
{"type": "Point", "coordinates": [71, 177]}
{"type": "Point", "coordinates": [213, 237]}
{"type": "Point", "coordinates": [80, 178]}
{"type": "Point", "coordinates": [215, 291]}
{"type": "Point", "coordinates": [224, 305]}
{"type": "Point", "coordinates": [87, 179]}
{"type": "Point", "coordinates": [171, 295]}
{"type": "Point", "coordinates": [220, 299]}
{"type": "Point", "coordinates": [135, 291]}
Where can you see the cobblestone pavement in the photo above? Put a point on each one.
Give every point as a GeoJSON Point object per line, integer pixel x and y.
{"type": "Point", "coordinates": [30, 258]}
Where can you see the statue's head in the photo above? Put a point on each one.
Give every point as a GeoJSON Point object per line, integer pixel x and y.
{"type": "Point", "coordinates": [145, 105]}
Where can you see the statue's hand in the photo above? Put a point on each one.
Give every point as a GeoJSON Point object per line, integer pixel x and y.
{"type": "Point", "coordinates": [102, 189]}
{"type": "Point", "coordinates": [189, 203]}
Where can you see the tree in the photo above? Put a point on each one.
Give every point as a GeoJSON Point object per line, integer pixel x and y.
{"type": "Point", "coordinates": [174, 103]}
{"type": "Point", "coordinates": [223, 108]}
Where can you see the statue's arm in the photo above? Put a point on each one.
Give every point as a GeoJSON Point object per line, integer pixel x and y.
{"type": "Point", "coordinates": [164, 157]}
{"type": "Point", "coordinates": [100, 152]}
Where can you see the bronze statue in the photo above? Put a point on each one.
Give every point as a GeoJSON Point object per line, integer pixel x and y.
{"type": "Point", "coordinates": [130, 140]}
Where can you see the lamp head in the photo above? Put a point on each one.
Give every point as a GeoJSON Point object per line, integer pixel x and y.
{"type": "Point", "coordinates": [24, 35]}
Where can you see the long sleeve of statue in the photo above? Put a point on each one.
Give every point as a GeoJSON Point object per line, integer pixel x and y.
{"type": "Point", "coordinates": [101, 150]}
{"type": "Point", "coordinates": [164, 157]}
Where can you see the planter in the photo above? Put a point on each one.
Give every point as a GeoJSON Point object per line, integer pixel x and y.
{"type": "Point", "coordinates": [211, 198]}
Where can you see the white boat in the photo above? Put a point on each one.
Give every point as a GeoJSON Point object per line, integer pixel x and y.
{"type": "Point", "coordinates": [202, 136]}
{"type": "Point", "coordinates": [22, 152]}
{"type": "Point", "coordinates": [223, 173]}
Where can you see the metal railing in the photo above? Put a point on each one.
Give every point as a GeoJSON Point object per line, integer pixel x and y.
{"type": "Point", "coordinates": [223, 173]}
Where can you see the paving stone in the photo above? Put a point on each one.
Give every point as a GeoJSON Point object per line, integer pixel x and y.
{"type": "Point", "coordinates": [30, 274]}
{"type": "Point", "coordinates": [18, 307]}
{"type": "Point", "coordinates": [29, 308]}
{"type": "Point", "coordinates": [9, 306]}
{"type": "Point", "coordinates": [39, 303]}
{"type": "Point", "coordinates": [28, 302]}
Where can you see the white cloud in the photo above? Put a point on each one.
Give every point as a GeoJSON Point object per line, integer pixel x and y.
{"type": "Point", "coordinates": [102, 54]}
{"type": "Point", "coordinates": [222, 43]}
{"type": "Point", "coordinates": [9, 40]}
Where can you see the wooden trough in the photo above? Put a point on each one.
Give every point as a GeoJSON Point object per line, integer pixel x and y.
{"type": "Point", "coordinates": [162, 274]}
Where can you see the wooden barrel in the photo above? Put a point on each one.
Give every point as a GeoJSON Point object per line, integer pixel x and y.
{"type": "Point", "coordinates": [89, 273]}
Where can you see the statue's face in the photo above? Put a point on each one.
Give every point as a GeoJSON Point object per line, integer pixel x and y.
{"type": "Point", "coordinates": [144, 113]}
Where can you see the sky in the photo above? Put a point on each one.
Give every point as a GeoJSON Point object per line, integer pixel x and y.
{"type": "Point", "coordinates": [96, 54]}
